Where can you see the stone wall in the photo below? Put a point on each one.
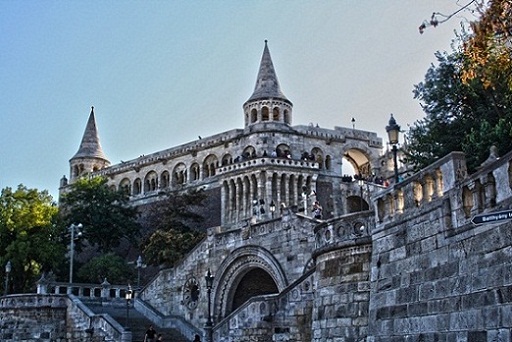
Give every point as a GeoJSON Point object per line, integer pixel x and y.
{"type": "Point", "coordinates": [414, 269]}
{"type": "Point", "coordinates": [282, 247]}
{"type": "Point", "coordinates": [435, 275]}
{"type": "Point", "coordinates": [283, 317]}
{"type": "Point", "coordinates": [55, 318]}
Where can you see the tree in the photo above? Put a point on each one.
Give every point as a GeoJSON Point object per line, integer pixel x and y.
{"type": "Point", "coordinates": [487, 51]}
{"type": "Point", "coordinates": [467, 98]}
{"type": "Point", "coordinates": [30, 236]}
{"type": "Point", "coordinates": [487, 48]}
{"type": "Point", "coordinates": [460, 116]}
{"type": "Point", "coordinates": [106, 214]}
{"type": "Point", "coordinates": [107, 266]}
{"type": "Point", "coordinates": [174, 219]}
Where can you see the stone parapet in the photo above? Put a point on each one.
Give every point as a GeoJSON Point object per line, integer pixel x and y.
{"type": "Point", "coordinates": [434, 274]}
{"type": "Point", "coordinates": [268, 162]}
{"type": "Point", "coordinates": [59, 318]}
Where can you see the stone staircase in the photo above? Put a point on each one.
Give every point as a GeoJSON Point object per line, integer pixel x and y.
{"type": "Point", "coordinates": [138, 324]}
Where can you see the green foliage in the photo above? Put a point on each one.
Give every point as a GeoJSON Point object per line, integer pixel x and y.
{"type": "Point", "coordinates": [106, 215]}
{"type": "Point", "coordinates": [487, 49]}
{"type": "Point", "coordinates": [30, 236]}
{"type": "Point", "coordinates": [460, 116]}
{"type": "Point", "coordinates": [108, 266]}
{"type": "Point", "coordinates": [467, 98]}
{"type": "Point", "coordinates": [174, 219]}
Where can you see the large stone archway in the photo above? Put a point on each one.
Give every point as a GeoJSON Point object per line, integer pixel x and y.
{"type": "Point", "coordinates": [247, 272]}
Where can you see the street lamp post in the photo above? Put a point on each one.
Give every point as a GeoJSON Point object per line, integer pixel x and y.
{"type": "Point", "coordinates": [272, 208]}
{"type": "Point", "coordinates": [8, 268]}
{"type": "Point", "coordinates": [393, 130]}
{"type": "Point", "coordinates": [209, 324]}
{"type": "Point", "coordinates": [139, 266]}
{"type": "Point", "coordinates": [128, 297]}
{"type": "Point", "coordinates": [72, 229]}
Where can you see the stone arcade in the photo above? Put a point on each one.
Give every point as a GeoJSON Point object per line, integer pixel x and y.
{"type": "Point", "coordinates": [402, 263]}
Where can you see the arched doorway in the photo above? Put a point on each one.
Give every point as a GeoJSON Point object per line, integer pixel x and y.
{"type": "Point", "coordinates": [256, 282]}
{"type": "Point", "coordinates": [247, 272]}
{"type": "Point", "coordinates": [356, 163]}
{"type": "Point", "coordinates": [356, 203]}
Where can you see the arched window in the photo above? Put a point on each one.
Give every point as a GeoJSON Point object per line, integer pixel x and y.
{"type": "Point", "coordinates": [137, 186]}
{"type": "Point", "coordinates": [286, 117]}
{"type": "Point", "coordinates": [317, 155]}
{"type": "Point", "coordinates": [150, 182]}
{"type": "Point", "coordinates": [125, 186]}
{"type": "Point", "coordinates": [327, 162]}
{"type": "Point", "coordinates": [194, 172]}
{"type": "Point", "coordinates": [179, 174]}
{"type": "Point", "coordinates": [76, 171]}
{"type": "Point", "coordinates": [283, 151]}
{"type": "Point", "coordinates": [249, 152]}
{"type": "Point", "coordinates": [209, 165]}
{"type": "Point", "coordinates": [227, 159]}
{"type": "Point", "coordinates": [254, 115]}
{"type": "Point", "coordinates": [264, 114]}
{"type": "Point", "coordinates": [165, 180]}
{"type": "Point", "coordinates": [275, 114]}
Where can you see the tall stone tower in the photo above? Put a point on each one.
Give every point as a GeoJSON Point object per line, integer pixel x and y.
{"type": "Point", "coordinates": [90, 156]}
{"type": "Point", "coordinates": [267, 103]}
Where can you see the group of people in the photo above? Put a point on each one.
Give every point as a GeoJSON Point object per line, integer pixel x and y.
{"type": "Point", "coordinates": [317, 210]}
{"type": "Point", "coordinates": [274, 154]}
{"type": "Point", "coordinates": [370, 179]}
{"type": "Point", "coordinates": [152, 336]}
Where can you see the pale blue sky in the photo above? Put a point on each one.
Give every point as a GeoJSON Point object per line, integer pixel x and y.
{"type": "Point", "coordinates": [160, 73]}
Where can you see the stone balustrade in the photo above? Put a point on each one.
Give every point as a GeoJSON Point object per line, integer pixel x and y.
{"type": "Point", "coordinates": [104, 290]}
{"type": "Point", "coordinates": [464, 196]}
{"type": "Point", "coordinates": [266, 162]}
{"type": "Point", "coordinates": [347, 230]}
{"type": "Point", "coordinates": [421, 188]}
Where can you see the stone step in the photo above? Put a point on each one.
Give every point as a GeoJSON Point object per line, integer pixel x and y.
{"type": "Point", "coordinates": [138, 324]}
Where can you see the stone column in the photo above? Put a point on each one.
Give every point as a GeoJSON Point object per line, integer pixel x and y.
{"type": "Point", "coordinates": [105, 289]}
{"type": "Point", "coordinates": [42, 285]}
{"type": "Point", "coordinates": [223, 202]}
{"type": "Point", "coordinates": [232, 194]}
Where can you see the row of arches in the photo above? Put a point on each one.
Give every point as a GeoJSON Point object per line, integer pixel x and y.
{"type": "Point", "coordinates": [282, 151]}
{"type": "Point", "coordinates": [78, 170]}
{"type": "Point", "coordinates": [183, 174]}
{"type": "Point", "coordinates": [268, 111]}
{"type": "Point", "coordinates": [264, 115]}
{"type": "Point", "coordinates": [180, 175]}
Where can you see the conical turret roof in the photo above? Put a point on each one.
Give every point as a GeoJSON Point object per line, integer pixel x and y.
{"type": "Point", "coordinates": [267, 85]}
{"type": "Point", "coordinates": [90, 146]}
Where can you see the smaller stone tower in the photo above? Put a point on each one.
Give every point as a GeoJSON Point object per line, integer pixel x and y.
{"type": "Point", "coordinates": [90, 156]}
{"type": "Point", "coordinates": [267, 103]}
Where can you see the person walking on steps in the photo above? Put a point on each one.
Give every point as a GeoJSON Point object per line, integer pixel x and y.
{"type": "Point", "coordinates": [150, 334]}
{"type": "Point", "coordinates": [197, 338]}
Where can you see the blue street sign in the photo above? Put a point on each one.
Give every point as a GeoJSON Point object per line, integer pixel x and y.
{"type": "Point", "coordinates": [492, 217]}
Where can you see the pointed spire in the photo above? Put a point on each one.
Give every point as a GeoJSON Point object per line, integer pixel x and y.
{"type": "Point", "coordinates": [90, 146]}
{"type": "Point", "coordinates": [267, 85]}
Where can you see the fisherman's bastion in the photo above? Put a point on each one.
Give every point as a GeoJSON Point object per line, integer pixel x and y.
{"type": "Point", "coordinates": [299, 251]}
